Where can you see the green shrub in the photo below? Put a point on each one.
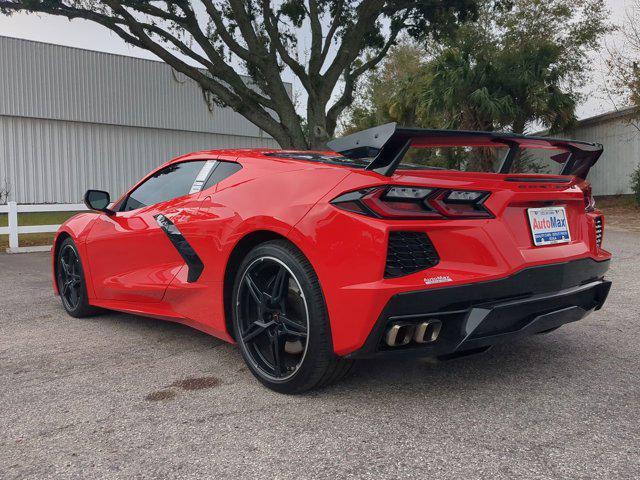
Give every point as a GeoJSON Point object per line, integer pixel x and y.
{"type": "Point", "coordinates": [635, 184]}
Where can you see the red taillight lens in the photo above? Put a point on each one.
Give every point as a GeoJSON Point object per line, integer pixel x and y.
{"type": "Point", "coordinates": [414, 203]}
{"type": "Point", "coordinates": [461, 204]}
{"type": "Point", "coordinates": [385, 206]}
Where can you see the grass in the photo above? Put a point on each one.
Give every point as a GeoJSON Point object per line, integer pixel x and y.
{"type": "Point", "coordinates": [40, 218]}
{"type": "Point", "coordinates": [43, 218]}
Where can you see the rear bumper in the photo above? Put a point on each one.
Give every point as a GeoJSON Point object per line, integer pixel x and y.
{"type": "Point", "coordinates": [479, 315]}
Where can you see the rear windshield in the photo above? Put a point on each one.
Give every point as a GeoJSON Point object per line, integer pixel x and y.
{"type": "Point", "coordinates": [336, 159]}
{"type": "Point", "coordinates": [460, 158]}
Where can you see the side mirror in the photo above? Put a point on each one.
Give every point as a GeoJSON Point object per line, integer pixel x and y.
{"type": "Point", "coordinates": [98, 200]}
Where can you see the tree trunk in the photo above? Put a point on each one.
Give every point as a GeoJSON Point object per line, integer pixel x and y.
{"type": "Point", "coordinates": [294, 135]}
{"type": "Point", "coordinates": [317, 125]}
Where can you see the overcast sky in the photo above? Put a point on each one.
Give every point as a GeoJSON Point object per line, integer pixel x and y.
{"type": "Point", "coordinates": [79, 33]}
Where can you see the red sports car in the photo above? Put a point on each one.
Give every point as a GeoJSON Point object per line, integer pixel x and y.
{"type": "Point", "coordinates": [388, 244]}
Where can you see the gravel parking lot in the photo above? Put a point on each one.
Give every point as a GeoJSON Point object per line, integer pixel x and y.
{"type": "Point", "coordinates": [119, 396]}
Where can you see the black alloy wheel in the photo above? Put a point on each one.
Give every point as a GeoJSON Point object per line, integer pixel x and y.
{"type": "Point", "coordinates": [280, 320]}
{"type": "Point", "coordinates": [274, 318]}
{"type": "Point", "coordinates": [71, 282]}
{"type": "Point", "coordinates": [69, 278]}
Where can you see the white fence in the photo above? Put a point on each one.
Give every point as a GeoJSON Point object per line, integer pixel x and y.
{"type": "Point", "coordinates": [14, 229]}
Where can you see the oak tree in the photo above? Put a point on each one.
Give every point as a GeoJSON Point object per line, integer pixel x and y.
{"type": "Point", "coordinates": [326, 44]}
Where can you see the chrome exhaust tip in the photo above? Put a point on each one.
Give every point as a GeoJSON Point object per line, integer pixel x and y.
{"type": "Point", "coordinates": [399, 334]}
{"type": "Point", "coordinates": [427, 332]}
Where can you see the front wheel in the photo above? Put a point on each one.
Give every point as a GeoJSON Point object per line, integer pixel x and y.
{"type": "Point", "coordinates": [71, 281]}
{"type": "Point", "coordinates": [280, 320]}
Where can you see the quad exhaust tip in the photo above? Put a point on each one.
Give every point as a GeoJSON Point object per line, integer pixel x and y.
{"type": "Point", "coordinates": [427, 332]}
{"type": "Point", "coordinates": [401, 334]}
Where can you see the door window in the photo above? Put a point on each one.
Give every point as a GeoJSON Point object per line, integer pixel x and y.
{"type": "Point", "coordinates": [222, 171]}
{"type": "Point", "coordinates": [171, 182]}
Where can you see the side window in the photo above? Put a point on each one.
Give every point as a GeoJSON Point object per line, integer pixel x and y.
{"type": "Point", "coordinates": [222, 171]}
{"type": "Point", "coordinates": [173, 181]}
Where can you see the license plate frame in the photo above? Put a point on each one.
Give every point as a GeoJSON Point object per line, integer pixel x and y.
{"type": "Point", "coordinates": [549, 226]}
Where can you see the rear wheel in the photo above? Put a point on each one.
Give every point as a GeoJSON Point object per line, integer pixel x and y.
{"type": "Point", "coordinates": [71, 281]}
{"type": "Point", "coordinates": [280, 320]}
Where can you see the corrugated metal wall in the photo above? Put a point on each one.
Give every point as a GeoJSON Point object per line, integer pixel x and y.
{"type": "Point", "coordinates": [621, 141]}
{"type": "Point", "coordinates": [51, 81]}
{"type": "Point", "coordinates": [51, 161]}
{"type": "Point", "coordinates": [73, 119]}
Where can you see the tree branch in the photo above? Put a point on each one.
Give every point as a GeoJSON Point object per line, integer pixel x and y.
{"type": "Point", "coordinates": [228, 39]}
{"type": "Point", "coordinates": [332, 31]}
{"type": "Point", "coordinates": [351, 78]}
{"type": "Point", "coordinates": [351, 45]}
{"type": "Point", "coordinates": [216, 65]}
{"type": "Point", "coordinates": [271, 26]}
{"type": "Point", "coordinates": [315, 60]}
{"type": "Point", "coordinates": [137, 37]}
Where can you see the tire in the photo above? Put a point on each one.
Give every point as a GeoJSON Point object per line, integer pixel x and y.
{"type": "Point", "coordinates": [70, 278]}
{"type": "Point", "coordinates": [276, 284]}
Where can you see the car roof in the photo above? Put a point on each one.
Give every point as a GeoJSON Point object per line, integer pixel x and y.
{"type": "Point", "coordinates": [263, 154]}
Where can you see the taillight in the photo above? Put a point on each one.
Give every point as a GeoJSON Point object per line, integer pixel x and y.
{"type": "Point", "coordinates": [461, 204]}
{"type": "Point", "coordinates": [589, 201]}
{"type": "Point", "coordinates": [599, 226]}
{"type": "Point", "coordinates": [414, 203]}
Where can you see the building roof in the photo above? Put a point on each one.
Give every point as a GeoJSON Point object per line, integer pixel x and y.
{"type": "Point", "coordinates": [43, 80]}
{"type": "Point", "coordinates": [596, 119]}
{"type": "Point", "coordinates": [605, 117]}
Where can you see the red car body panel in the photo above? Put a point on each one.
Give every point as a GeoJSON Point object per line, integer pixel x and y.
{"type": "Point", "coordinates": [131, 266]}
{"type": "Point", "coordinates": [470, 251]}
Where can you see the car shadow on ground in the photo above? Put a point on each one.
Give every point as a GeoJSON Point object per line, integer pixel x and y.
{"type": "Point", "coordinates": [540, 359]}
{"type": "Point", "coordinates": [166, 330]}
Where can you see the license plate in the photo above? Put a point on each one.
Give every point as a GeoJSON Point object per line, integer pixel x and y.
{"type": "Point", "coordinates": [549, 226]}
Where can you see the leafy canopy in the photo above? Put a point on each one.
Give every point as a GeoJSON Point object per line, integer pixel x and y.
{"type": "Point", "coordinates": [624, 61]}
{"type": "Point", "coordinates": [520, 63]}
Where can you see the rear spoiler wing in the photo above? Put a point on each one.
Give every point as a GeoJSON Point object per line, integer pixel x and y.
{"type": "Point", "coordinates": [387, 145]}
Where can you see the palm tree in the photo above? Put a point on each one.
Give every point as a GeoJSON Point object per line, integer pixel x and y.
{"type": "Point", "coordinates": [511, 69]}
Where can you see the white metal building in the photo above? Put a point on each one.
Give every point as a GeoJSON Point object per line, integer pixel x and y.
{"type": "Point", "coordinates": [621, 141]}
{"type": "Point", "coordinates": [72, 119]}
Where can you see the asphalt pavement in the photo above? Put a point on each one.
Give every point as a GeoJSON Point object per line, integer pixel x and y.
{"type": "Point", "coordinates": [120, 396]}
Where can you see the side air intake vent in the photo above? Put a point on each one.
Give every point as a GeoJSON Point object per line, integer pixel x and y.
{"type": "Point", "coordinates": [409, 252]}
{"type": "Point", "coordinates": [599, 231]}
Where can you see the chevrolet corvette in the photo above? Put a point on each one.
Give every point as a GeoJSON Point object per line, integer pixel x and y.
{"type": "Point", "coordinates": [395, 241]}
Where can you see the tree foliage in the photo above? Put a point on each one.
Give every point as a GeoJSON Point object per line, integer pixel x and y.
{"type": "Point", "coordinates": [326, 44]}
{"type": "Point", "coordinates": [520, 63]}
{"type": "Point", "coordinates": [624, 61]}
{"type": "Point", "coordinates": [379, 91]}
{"type": "Point", "coordinates": [635, 184]}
